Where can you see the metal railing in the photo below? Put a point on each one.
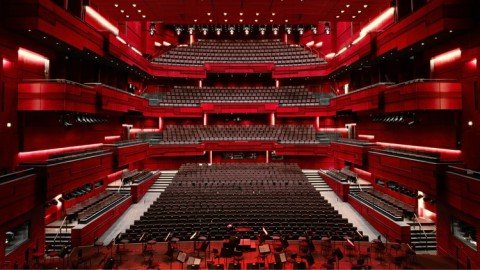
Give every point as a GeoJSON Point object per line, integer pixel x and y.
{"type": "Point", "coordinates": [421, 228]}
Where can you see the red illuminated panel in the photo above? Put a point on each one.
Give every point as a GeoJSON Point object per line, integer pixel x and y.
{"type": "Point", "coordinates": [42, 155]}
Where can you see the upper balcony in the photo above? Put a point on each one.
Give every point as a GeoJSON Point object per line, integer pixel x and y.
{"type": "Point", "coordinates": [413, 167]}
{"type": "Point", "coordinates": [18, 194]}
{"type": "Point", "coordinates": [353, 151]}
{"type": "Point", "coordinates": [463, 186]}
{"type": "Point", "coordinates": [60, 169]}
{"type": "Point", "coordinates": [424, 94]}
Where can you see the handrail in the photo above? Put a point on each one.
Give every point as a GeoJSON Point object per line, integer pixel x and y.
{"type": "Point", "coordinates": [121, 185]}
{"type": "Point", "coordinates": [421, 228]}
{"type": "Point", "coordinates": [60, 230]}
{"type": "Point", "coordinates": [424, 80]}
{"type": "Point", "coordinates": [55, 81]}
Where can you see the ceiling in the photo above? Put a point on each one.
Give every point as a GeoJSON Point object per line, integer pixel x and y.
{"type": "Point", "coordinates": [269, 11]}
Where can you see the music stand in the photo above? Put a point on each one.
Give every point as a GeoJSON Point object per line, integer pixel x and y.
{"type": "Point", "coordinates": [280, 259]}
{"type": "Point", "coordinates": [181, 257]}
{"type": "Point", "coordinates": [264, 250]}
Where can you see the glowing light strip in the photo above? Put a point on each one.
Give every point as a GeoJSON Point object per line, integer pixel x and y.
{"type": "Point", "coordinates": [166, 43]}
{"type": "Point", "coordinates": [158, 44]}
{"type": "Point", "coordinates": [334, 129]}
{"type": "Point", "coordinates": [137, 130]}
{"type": "Point", "coordinates": [121, 40]}
{"type": "Point", "coordinates": [357, 39]}
{"type": "Point", "coordinates": [136, 50]}
{"type": "Point", "coordinates": [46, 152]}
{"type": "Point", "coordinates": [446, 57]}
{"type": "Point", "coordinates": [32, 56]}
{"type": "Point", "coordinates": [420, 148]}
{"type": "Point", "coordinates": [342, 50]}
{"type": "Point", "coordinates": [330, 55]}
{"type": "Point", "coordinates": [101, 20]}
{"type": "Point", "coordinates": [377, 21]}
{"type": "Point", "coordinates": [310, 43]}
{"type": "Point", "coordinates": [368, 137]}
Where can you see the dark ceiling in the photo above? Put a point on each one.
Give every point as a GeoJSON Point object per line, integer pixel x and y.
{"type": "Point", "coordinates": [240, 11]}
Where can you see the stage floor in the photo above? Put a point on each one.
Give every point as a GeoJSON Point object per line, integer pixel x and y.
{"type": "Point", "coordinates": [129, 256]}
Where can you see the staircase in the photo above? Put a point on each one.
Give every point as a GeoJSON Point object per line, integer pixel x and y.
{"type": "Point", "coordinates": [316, 181]}
{"type": "Point", "coordinates": [360, 187]}
{"type": "Point", "coordinates": [423, 240]}
{"type": "Point", "coordinates": [162, 182]}
{"type": "Point", "coordinates": [115, 187]}
{"type": "Point", "coordinates": [62, 241]}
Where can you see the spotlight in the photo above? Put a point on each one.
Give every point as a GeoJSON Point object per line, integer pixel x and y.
{"type": "Point", "coordinates": [300, 30]}
{"type": "Point", "coordinates": [218, 30]}
{"type": "Point", "coordinates": [152, 29]}
{"type": "Point", "coordinates": [275, 31]}
{"type": "Point", "coordinates": [288, 29]}
{"type": "Point", "coordinates": [231, 29]}
{"type": "Point", "coordinates": [327, 28]}
{"type": "Point", "coordinates": [191, 29]}
{"type": "Point", "coordinates": [205, 31]}
{"type": "Point", "coordinates": [470, 123]}
{"type": "Point", "coordinates": [262, 30]}
{"type": "Point", "coordinates": [314, 30]}
{"type": "Point", "coordinates": [178, 30]}
{"type": "Point", "coordinates": [246, 29]}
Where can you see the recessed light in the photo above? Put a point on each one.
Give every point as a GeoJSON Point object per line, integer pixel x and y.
{"type": "Point", "coordinates": [271, 20]}
{"type": "Point", "coordinates": [195, 20]}
{"type": "Point", "coordinates": [116, 5]}
{"type": "Point", "coordinates": [353, 16]}
{"type": "Point", "coordinates": [338, 16]}
{"type": "Point", "coordinates": [134, 5]}
{"type": "Point", "coordinates": [257, 13]}
{"type": "Point", "coordinates": [423, 44]}
{"type": "Point", "coordinates": [144, 16]}
{"type": "Point", "coordinates": [139, 11]}
{"type": "Point", "coordinates": [273, 13]}
{"type": "Point", "coordinates": [210, 20]}
{"type": "Point", "coordinates": [208, 14]}
{"type": "Point", "coordinates": [10, 124]}
{"type": "Point", "coordinates": [359, 11]}
{"type": "Point", "coordinates": [127, 16]}
{"type": "Point", "coordinates": [226, 20]}
{"type": "Point", "coordinates": [241, 20]}
{"type": "Point", "coordinates": [347, 5]}
{"type": "Point", "coordinates": [286, 20]}
{"type": "Point", "coordinates": [342, 11]}
{"type": "Point", "coordinates": [224, 14]}
{"type": "Point", "coordinates": [451, 31]}
{"type": "Point", "coordinates": [469, 123]}
{"type": "Point", "coordinates": [241, 13]}
{"type": "Point", "coordinates": [435, 37]}
{"type": "Point", "coordinates": [256, 20]}
{"type": "Point", "coordinates": [365, 6]}
{"type": "Point", "coordinates": [122, 11]}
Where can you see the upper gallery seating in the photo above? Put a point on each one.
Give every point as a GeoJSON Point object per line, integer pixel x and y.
{"type": "Point", "coordinates": [391, 207]}
{"type": "Point", "coordinates": [206, 199]}
{"type": "Point", "coordinates": [239, 51]}
{"type": "Point", "coordinates": [421, 155]}
{"type": "Point", "coordinates": [137, 177]}
{"type": "Point", "coordinates": [194, 96]}
{"type": "Point", "coordinates": [87, 210]}
{"type": "Point", "coordinates": [354, 142]}
{"type": "Point", "coordinates": [189, 134]}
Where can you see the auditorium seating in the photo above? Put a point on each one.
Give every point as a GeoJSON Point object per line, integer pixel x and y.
{"type": "Point", "coordinates": [355, 142]}
{"type": "Point", "coordinates": [137, 177]}
{"type": "Point", "coordinates": [192, 134]}
{"type": "Point", "coordinates": [193, 96]}
{"type": "Point", "coordinates": [239, 51]}
{"type": "Point", "coordinates": [421, 155]}
{"type": "Point", "coordinates": [207, 198]}
{"type": "Point", "coordinates": [87, 210]}
{"type": "Point", "coordinates": [338, 175]}
{"type": "Point", "coordinates": [391, 207]}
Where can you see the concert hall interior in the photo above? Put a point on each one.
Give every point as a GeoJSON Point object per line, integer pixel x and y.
{"type": "Point", "coordinates": [240, 134]}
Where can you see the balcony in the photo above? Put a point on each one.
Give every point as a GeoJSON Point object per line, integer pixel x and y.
{"type": "Point", "coordinates": [56, 95]}
{"type": "Point", "coordinates": [423, 94]}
